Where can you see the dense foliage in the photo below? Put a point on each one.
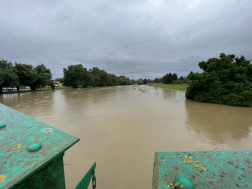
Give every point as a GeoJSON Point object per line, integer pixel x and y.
{"type": "Point", "coordinates": [43, 77]}
{"type": "Point", "coordinates": [26, 74]}
{"type": "Point", "coordinates": [139, 81]}
{"type": "Point", "coordinates": [122, 80]}
{"type": "Point", "coordinates": [8, 76]}
{"type": "Point", "coordinates": [168, 78]}
{"type": "Point", "coordinates": [78, 76]}
{"type": "Point", "coordinates": [225, 80]}
{"type": "Point", "coordinates": [23, 75]}
{"type": "Point", "coordinates": [156, 80]}
{"type": "Point", "coordinates": [61, 80]}
{"type": "Point", "coordinates": [133, 81]}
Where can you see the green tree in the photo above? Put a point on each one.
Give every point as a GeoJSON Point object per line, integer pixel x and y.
{"type": "Point", "coordinates": [122, 80]}
{"type": "Point", "coordinates": [145, 81]}
{"type": "Point", "coordinates": [225, 80]}
{"type": "Point", "coordinates": [140, 81]}
{"type": "Point", "coordinates": [44, 77]}
{"type": "Point", "coordinates": [132, 81]}
{"type": "Point", "coordinates": [181, 78]}
{"type": "Point", "coordinates": [168, 78]}
{"type": "Point", "coordinates": [86, 77]}
{"type": "Point", "coordinates": [75, 76]}
{"type": "Point", "coordinates": [52, 85]}
{"type": "Point", "coordinates": [103, 77]}
{"type": "Point", "coordinates": [8, 77]}
{"type": "Point", "coordinates": [26, 74]}
{"type": "Point", "coordinates": [114, 79]}
{"type": "Point", "coordinates": [61, 80]}
{"type": "Point", "coordinates": [94, 72]}
{"type": "Point", "coordinates": [174, 76]}
{"type": "Point", "coordinates": [95, 77]}
{"type": "Point", "coordinates": [156, 80]}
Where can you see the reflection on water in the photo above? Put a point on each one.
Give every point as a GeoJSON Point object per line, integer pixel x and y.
{"type": "Point", "coordinates": [221, 124]}
{"type": "Point", "coordinates": [121, 128]}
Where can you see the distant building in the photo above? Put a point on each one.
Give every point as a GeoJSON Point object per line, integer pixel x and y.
{"type": "Point", "coordinates": [57, 84]}
{"type": "Point", "coordinates": [149, 82]}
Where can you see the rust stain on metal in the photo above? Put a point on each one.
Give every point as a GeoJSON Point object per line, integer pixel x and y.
{"type": "Point", "coordinates": [156, 172]}
{"type": "Point", "coordinates": [27, 163]}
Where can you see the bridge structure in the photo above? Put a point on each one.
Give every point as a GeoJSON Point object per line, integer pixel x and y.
{"type": "Point", "coordinates": [31, 153]}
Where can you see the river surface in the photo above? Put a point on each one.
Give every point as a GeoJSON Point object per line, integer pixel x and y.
{"type": "Point", "coordinates": [122, 127]}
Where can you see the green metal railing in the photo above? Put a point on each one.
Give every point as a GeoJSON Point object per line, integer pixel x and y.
{"type": "Point", "coordinates": [85, 181]}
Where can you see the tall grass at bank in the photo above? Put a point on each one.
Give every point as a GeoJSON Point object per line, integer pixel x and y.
{"type": "Point", "coordinates": [179, 87]}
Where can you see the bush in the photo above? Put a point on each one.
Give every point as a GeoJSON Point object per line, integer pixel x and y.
{"type": "Point", "coordinates": [176, 82]}
{"type": "Point", "coordinates": [52, 86]}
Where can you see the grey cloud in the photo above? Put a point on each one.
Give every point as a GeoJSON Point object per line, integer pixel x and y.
{"type": "Point", "coordinates": [137, 38]}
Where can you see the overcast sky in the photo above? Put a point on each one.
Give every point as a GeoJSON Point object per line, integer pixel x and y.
{"type": "Point", "coordinates": [135, 38]}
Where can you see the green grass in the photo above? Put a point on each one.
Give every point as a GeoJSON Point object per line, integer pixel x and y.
{"type": "Point", "coordinates": [179, 87]}
{"type": "Point", "coordinates": [56, 88]}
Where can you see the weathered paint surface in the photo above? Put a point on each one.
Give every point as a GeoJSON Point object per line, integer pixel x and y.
{"type": "Point", "coordinates": [206, 169]}
{"type": "Point", "coordinates": [51, 176]}
{"type": "Point", "coordinates": [16, 162]}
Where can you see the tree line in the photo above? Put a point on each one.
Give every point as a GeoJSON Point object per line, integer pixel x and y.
{"type": "Point", "coordinates": [78, 76]}
{"type": "Point", "coordinates": [171, 78]}
{"type": "Point", "coordinates": [19, 74]}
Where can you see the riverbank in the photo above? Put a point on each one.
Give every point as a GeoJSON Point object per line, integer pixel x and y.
{"type": "Point", "coordinates": [29, 90]}
{"type": "Point", "coordinates": [56, 88]}
{"type": "Point", "coordinates": [179, 87]}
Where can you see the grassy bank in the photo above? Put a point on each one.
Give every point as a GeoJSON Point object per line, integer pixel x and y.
{"type": "Point", "coordinates": [179, 87]}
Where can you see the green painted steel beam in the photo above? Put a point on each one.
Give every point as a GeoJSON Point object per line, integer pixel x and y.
{"type": "Point", "coordinates": [31, 150]}
{"type": "Point", "coordinates": [205, 169]}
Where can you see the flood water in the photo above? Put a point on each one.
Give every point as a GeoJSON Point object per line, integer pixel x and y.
{"type": "Point", "coordinates": [122, 127]}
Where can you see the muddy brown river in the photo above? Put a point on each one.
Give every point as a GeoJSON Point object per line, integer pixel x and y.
{"type": "Point", "coordinates": [122, 127]}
